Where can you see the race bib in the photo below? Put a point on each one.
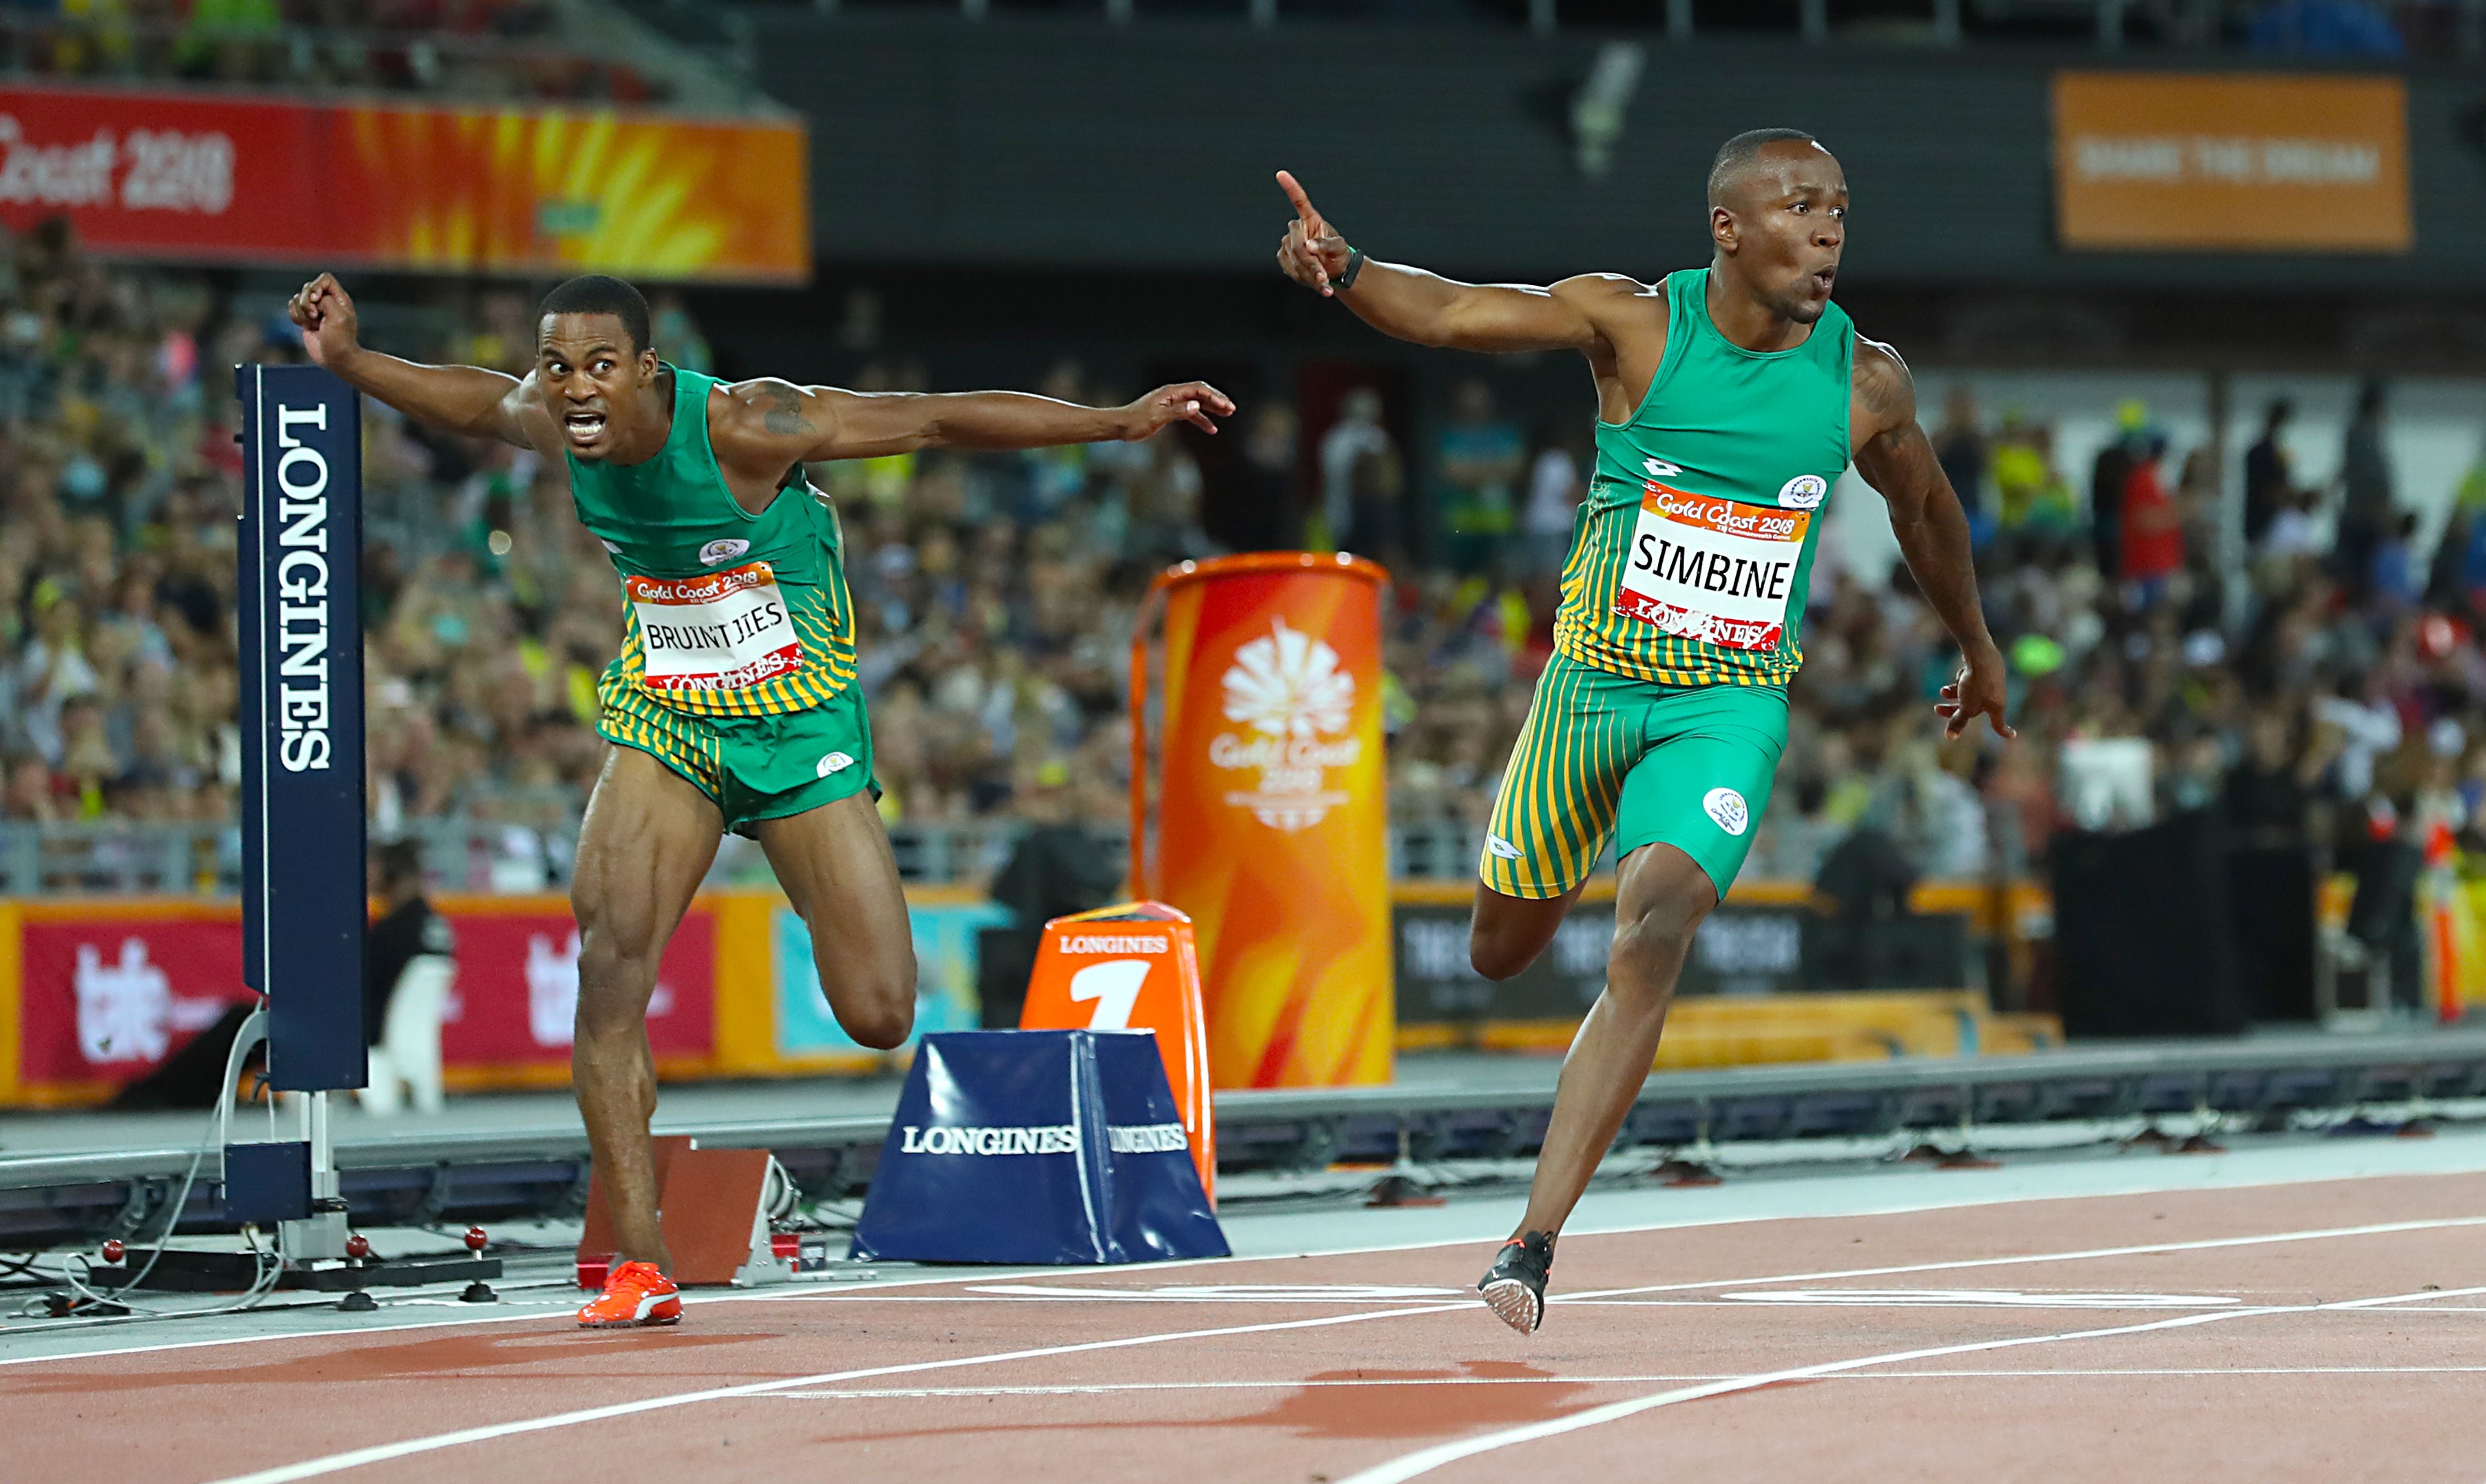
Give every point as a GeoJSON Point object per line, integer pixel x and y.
{"type": "Point", "coordinates": [721, 631]}
{"type": "Point", "coordinates": [1716, 570]}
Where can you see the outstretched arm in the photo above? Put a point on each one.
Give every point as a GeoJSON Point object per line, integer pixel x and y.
{"type": "Point", "coordinates": [463, 400]}
{"type": "Point", "coordinates": [1429, 309]}
{"type": "Point", "coordinates": [1933, 528]}
{"type": "Point", "coordinates": [773, 423]}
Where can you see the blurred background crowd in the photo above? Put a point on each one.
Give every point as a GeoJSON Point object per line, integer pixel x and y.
{"type": "Point", "coordinates": [462, 49]}
{"type": "Point", "coordinates": [2313, 671]}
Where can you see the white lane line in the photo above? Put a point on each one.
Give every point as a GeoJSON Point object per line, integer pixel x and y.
{"type": "Point", "coordinates": [1109, 1388]}
{"type": "Point", "coordinates": [541, 1309]}
{"type": "Point", "coordinates": [1425, 1461]}
{"type": "Point", "coordinates": [1967, 1200]}
{"type": "Point", "coordinates": [2411, 1298]}
{"type": "Point", "coordinates": [355, 1458]}
{"type": "Point", "coordinates": [2205, 1245]}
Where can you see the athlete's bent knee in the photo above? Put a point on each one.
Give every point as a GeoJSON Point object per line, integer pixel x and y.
{"type": "Point", "coordinates": [882, 1023]}
{"type": "Point", "coordinates": [877, 1007]}
{"type": "Point", "coordinates": [1496, 954]}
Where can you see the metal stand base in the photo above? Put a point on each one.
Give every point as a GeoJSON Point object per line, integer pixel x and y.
{"type": "Point", "coordinates": [178, 1271]}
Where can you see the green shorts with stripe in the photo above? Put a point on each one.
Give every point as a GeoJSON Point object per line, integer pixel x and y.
{"type": "Point", "coordinates": [753, 767]}
{"type": "Point", "coordinates": [1608, 757]}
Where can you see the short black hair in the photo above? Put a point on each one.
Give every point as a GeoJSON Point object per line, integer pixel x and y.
{"type": "Point", "coordinates": [398, 862]}
{"type": "Point", "coordinates": [598, 293]}
{"type": "Point", "coordinates": [1739, 152]}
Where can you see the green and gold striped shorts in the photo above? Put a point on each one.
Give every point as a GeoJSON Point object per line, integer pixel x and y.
{"type": "Point", "coordinates": [1608, 757]}
{"type": "Point", "coordinates": [753, 767]}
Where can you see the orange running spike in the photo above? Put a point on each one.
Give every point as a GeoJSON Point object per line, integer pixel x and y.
{"type": "Point", "coordinates": [635, 1293]}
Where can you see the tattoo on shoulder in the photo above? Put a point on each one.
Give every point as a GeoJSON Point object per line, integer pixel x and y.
{"type": "Point", "coordinates": [1882, 381]}
{"type": "Point", "coordinates": [785, 412]}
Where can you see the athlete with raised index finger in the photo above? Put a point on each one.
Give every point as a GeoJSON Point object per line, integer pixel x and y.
{"type": "Point", "coordinates": [1730, 398]}
{"type": "Point", "coordinates": [733, 704]}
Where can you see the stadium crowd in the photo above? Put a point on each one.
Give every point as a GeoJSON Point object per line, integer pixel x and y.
{"type": "Point", "coordinates": [2335, 665]}
{"type": "Point", "coordinates": [498, 49]}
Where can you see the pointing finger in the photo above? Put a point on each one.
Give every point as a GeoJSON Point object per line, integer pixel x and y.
{"type": "Point", "coordinates": [1295, 193]}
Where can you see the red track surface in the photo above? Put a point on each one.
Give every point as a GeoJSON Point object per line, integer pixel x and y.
{"type": "Point", "coordinates": [929, 1382]}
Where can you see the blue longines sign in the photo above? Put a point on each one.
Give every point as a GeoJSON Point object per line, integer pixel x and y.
{"type": "Point", "coordinates": [302, 721]}
{"type": "Point", "coordinates": [1028, 1147]}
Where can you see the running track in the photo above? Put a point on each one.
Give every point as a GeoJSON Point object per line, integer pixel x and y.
{"type": "Point", "coordinates": [2314, 1331]}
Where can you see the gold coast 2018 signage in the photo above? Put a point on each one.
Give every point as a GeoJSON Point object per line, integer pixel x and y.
{"type": "Point", "coordinates": [2231, 162]}
{"type": "Point", "coordinates": [212, 178]}
{"type": "Point", "coordinates": [1272, 812]}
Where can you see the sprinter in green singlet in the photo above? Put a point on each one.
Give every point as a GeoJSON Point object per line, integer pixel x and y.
{"type": "Point", "coordinates": [1730, 398]}
{"type": "Point", "coordinates": [733, 704]}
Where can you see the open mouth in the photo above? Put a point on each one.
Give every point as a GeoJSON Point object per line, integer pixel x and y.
{"type": "Point", "coordinates": [583, 427]}
{"type": "Point", "coordinates": [1825, 277]}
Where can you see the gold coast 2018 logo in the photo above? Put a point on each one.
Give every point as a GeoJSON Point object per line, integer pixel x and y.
{"type": "Point", "coordinates": [1287, 690]}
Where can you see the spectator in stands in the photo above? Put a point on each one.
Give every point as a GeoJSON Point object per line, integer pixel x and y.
{"type": "Point", "coordinates": [1961, 446]}
{"type": "Point", "coordinates": [2396, 581]}
{"type": "Point", "coordinates": [1357, 432]}
{"type": "Point", "coordinates": [1555, 488]}
{"type": "Point", "coordinates": [2269, 485]}
{"type": "Point", "coordinates": [2365, 502]}
{"type": "Point", "coordinates": [2109, 477]}
{"type": "Point", "coordinates": [52, 670]}
{"type": "Point", "coordinates": [2033, 502]}
{"type": "Point", "coordinates": [1269, 517]}
{"type": "Point", "coordinates": [2151, 526]}
{"type": "Point", "coordinates": [407, 929]}
{"type": "Point", "coordinates": [2324, 28]}
{"type": "Point", "coordinates": [1478, 464]}
{"type": "Point", "coordinates": [1377, 497]}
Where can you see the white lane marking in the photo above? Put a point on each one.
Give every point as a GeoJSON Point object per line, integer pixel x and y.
{"type": "Point", "coordinates": [1109, 1388]}
{"type": "Point", "coordinates": [1231, 1293]}
{"type": "Point", "coordinates": [355, 1458]}
{"type": "Point", "coordinates": [552, 1309]}
{"type": "Point", "coordinates": [1977, 1298]}
{"type": "Point", "coordinates": [1425, 1461]}
{"type": "Point", "coordinates": [2208, 1244]}
{"type": "Point", "coordinates": [2411, 1298]}
{"type": "Point", "coordinates": [1970, 1197]}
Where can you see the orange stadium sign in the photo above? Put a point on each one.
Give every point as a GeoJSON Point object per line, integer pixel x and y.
{"type": "Point", "coordinates": [212, 178]}
{"type": "Point", "coordinates": [2230, 162]}
{"type": "Point", "coordinates": [1272, 811]}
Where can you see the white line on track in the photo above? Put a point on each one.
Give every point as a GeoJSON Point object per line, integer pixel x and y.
{"type": "Point", "coordinates": [1109, 1388]}
{"type": "Point", "coordinates": [1425, 1461]}
{"type": "Point", "coordinates": [335, 1463]}
{"type": "Point", "coordinates": [1967, 1199]}
{"type": "Point", "coordinates": [519, 1311]}
{"type": "Point", "coordinates": [2207, 1244]}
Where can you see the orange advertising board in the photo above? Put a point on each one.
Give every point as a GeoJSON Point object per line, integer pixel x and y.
{"type": "Point", "coordinates": [2232, 162]}
{"type": "Point", "coordinates": [1272, 812]}
{"type": "Point", "coordinates": [1133, 967]}
{"type": "Point", "coordinates": [215, 177]}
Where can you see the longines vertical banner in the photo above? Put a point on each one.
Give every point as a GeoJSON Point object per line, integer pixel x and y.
{"type": "Point", "coordinates": [1272, 813]}
{"type": "Point", "coordinates": [302, 713]}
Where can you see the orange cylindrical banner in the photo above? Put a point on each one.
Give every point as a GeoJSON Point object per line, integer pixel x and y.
{"type": "Point", "coordinates": [1272, 811]}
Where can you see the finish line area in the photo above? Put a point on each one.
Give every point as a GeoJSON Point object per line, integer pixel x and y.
{"type": "Point", "coordinates": [2319, 1296]}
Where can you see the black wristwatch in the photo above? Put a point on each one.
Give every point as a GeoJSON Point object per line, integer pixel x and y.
{"type": "Point", "coordinates": [1354, 265]}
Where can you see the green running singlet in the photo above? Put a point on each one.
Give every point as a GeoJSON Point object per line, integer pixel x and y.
{"type": "Point", "coordinates": [1663, 714]}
